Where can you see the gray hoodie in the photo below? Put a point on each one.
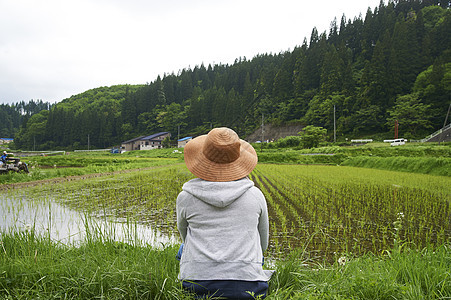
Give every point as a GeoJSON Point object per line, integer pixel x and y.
{"type": "Point", "coordinates": [225, 228]}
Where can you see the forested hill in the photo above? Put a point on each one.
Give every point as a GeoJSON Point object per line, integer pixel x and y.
{"type": "Point", "coordinates": [13, 115]}
{"type": "Point", "coordinates": [392, 63]}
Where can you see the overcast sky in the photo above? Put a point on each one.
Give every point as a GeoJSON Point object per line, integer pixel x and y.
{"type": "Point", "coordinates": [53, 49]}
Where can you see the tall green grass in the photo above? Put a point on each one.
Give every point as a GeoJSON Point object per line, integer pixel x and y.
{"type": "Point", "coordinates": [34, 267]}
{"type": "Point", "coordinates": [409, 274]}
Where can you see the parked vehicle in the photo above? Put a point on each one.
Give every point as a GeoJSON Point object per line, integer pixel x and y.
{"type": "Point", "coordinates": [398, 142]}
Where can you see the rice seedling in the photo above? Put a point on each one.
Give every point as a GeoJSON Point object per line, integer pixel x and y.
{"type": "Point", "coordinates": [356, 210]}
{"type": "Point", "coordinates": [337, 209]}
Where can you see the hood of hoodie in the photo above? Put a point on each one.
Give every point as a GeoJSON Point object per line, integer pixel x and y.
{"type": "Point", "coordinates": [219, 194]}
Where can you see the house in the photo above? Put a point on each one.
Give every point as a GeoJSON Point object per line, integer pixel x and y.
{"type": "Point", "coordinates": [132, 144]}
{"type": "Point", "coordinates": [153, 141]}
{"type": "Point", "coordinates": [182, 142]}
{"type": "Point", "coordinates": [5, 140]}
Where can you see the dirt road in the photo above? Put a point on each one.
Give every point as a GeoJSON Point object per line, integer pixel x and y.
{"type": "Point", "coordinates": [9, 186]}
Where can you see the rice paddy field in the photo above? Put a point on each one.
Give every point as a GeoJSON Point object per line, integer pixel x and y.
{"type": "Point", "coordinates": [329, 210]}
{"type": "Point", "coordinates": [339, 210]}
{"type": "Point", "coordinates": [321, 216]}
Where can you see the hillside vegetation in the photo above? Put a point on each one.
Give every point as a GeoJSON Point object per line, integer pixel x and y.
{"type": "Point", "coordinates": [391, 63]}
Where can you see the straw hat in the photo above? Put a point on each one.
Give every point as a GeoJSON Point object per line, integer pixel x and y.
{"type": "Point", "coordinates": [220, 155]}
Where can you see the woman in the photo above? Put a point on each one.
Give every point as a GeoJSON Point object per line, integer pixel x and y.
{"type": "Point", "coordinates": [222, 219]}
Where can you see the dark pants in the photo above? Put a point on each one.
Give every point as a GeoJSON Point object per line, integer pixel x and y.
{"type": "Point", "coordinates": [226, 289]}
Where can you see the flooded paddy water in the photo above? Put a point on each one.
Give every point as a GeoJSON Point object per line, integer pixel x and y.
{"type": "Point", "coordinates": [325, 211]}
{"type": "Point", "coordinates": [23, 210]}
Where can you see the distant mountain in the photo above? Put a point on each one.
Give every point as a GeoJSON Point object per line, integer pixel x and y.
{"type": "Point", "coordinates": [393, 64]}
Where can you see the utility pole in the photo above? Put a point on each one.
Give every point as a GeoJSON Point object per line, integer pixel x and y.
{"type": "Point", "coordinates": [444, 124]}
{"type": "Point", "coordinates": [335, 128]}
{"type": "Point", "coordinates": [263, 131]}
{"type": "Point", "coordinates": [88, 142]}
{"type": "Point", "coordinates": [396, 129]}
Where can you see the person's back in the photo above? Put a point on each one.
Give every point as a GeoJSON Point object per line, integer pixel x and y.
{"type": "Point", "coordinates": [223, 220]}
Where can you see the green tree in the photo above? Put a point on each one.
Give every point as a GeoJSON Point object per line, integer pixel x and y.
{"type": "Point", "coordinates": [166, 142]}
{"type": "Point", "coordinates": [127, 131]}
{"type": "Point", "coordinates": [33, 134]}
{"type": "Point", "coordinates": [11, 119]}
{"type": "Point", "coordinates": [311, 136]}
{"type": "Point", "coordinates": [300, 72]}
{"type": "Point", "coordinates": [332, 72]}
{"type": "Point", "coordinates": [147, 122]}
{"type": "Point", "coordinates": [376, 86]}
{"type": "Point", "coordinates": [434, 88]}
{"type": "Point", "coordinates": [412, 115]}
{"type": "Point", "coordinates": [283, 81]}
{"type": "Point", "coordinates": [170, 117]}
{"type": "Point", "coordinates": [404, 57]}
{"type": "Point", "coordinates": [368, 119]}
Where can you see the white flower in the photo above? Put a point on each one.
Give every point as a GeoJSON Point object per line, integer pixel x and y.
{"type": "Point", "coordinates": [342, 260]}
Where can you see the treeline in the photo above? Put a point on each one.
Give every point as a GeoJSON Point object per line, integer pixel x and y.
{"type": "Point", "coordinates": [92, 118]}
{"type": "Point", "coordinates": [13, 115]}
{"type": "Point", "coordinates": [394, 63]}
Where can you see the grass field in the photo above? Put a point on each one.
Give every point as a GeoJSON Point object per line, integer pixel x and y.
{"type": "Point", "coordinates": [33, 267]}
{"type": "Point", "coordinates": [337, 232]}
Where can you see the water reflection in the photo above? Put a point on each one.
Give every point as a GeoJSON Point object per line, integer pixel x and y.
{"type": "Point", "coordinates": [67, 226]}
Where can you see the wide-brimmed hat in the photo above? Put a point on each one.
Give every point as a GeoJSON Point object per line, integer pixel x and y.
{"type": "Point", "coordinates": [220, 155]}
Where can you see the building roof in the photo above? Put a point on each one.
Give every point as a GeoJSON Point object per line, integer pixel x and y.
{"type": "Point", "coordinates": [143, 137]}
{"type": "Point", "coordinates": [185, 138]}
{"type": "Point", "coordinates": [133, 140]}
{"type": "Point", "coordinates": [153, 136]}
